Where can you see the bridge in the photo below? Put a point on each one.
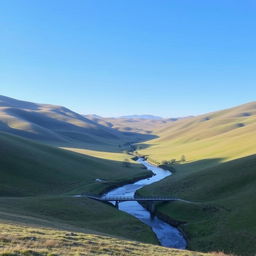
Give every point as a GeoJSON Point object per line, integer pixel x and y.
{"type": "Point", "coordinates": [150, 200]}
{"type": "Point", "coordinates": [131, 198]}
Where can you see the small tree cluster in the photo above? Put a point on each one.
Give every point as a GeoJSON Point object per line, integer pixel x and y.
{"type": "Point", "coordinates": [126, 163]}
{"type": "Point", "coordinates": [183, 159]}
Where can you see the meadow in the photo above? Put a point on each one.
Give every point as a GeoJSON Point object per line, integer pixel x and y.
{"type": "Point", "coordinates": [37, 184]}
{"type": "Point", "coordinates": [17, 240]}
{"type": "Point", "coordinates": [214, 158]}
{"type": "Point", "coordinates": [219, 174]}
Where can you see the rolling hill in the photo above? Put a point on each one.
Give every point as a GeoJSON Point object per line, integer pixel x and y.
{"type": "Point", "coordinates": [52, 124]}
{"type": "Point", "coordinates": [37, 184]}
{"type": "Point", "coordinates": [149, 117]}
{"type": "Point", "coordinates": [227, 134]}
{"type": "Point", "coordinates": [132, 125]}
{"type": "Point", "coordinates": [30, 168]}
{"type": "Point", "coordinates": [219, 174]}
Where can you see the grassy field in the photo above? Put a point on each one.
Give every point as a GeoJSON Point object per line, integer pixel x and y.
{"type": "Point", "coordinates": [29, 168]}
{"type": "Point", "coordinates": [225, 135]}
{"type": "Point", "coordinates": [37, 183]}
{"type": "Point", "coordinates": [78, 214]}
{"type": "Point", "coordinates": [223, 217]}
{"type": "Point", "coordinates": [219, 172]}
{"type": "Point", "coordinates": [34, 241]}
{"type": "Point", "coordinates": [115, 156]}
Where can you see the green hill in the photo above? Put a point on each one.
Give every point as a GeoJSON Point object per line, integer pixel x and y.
{"type": "Point", "coordinates": [37, 181]}
{"type": "Point", "coordinates": [219, 172]}
{"type": "Point", "coordinates": [29, 168]}
{"type": "Point", "coordinates": [225, 134]}
{"type": "Point", "coordinates": [52, 124]}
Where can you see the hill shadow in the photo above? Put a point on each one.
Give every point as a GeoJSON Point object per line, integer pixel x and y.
{"type": "Point", "coordinates": [200, 164]}
{"type": "Point", "coordinates": [78, 137]}
{"type": "Point", "coordinates": [111, 146]}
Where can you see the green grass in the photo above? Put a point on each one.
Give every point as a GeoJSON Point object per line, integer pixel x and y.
{"type": "Point", "coordinates": [37, 181]}
{"type": "Point", "coordinates": [35, 241]}
{"type": "Point", "coordinates": [78, 214]}
{"type": "Point", "coordinates": [220, 173]}
{"type": "Point", "coordinates": [199, 138]}
{"type": "Point", "coordinates": [28, 168]}
{"type": "Point", "coordinates": [224, 216]}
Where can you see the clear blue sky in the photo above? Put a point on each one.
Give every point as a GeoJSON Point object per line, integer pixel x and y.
{"type": "Point", "coordinates": [113, 57]}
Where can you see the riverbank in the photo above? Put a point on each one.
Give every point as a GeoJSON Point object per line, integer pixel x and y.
{"type": "Point", "coordinates": [225, 218]}
{"type": "Point", "coordinates": [167, 235]}
{"type": "Point", "coordinates": [171, 221]}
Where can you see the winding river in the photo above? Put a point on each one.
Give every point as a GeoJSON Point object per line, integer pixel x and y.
{"type": "Point", "coordinates": [167, 235]}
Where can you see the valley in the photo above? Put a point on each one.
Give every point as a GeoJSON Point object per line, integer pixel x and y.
{"type": "Point", "coordinates": [50, 153]}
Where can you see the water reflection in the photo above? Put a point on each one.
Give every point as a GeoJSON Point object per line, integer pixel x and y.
{"type": "Point", "coordinates": [167, 235]}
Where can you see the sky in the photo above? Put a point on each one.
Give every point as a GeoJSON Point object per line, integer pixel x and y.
{"type": "Point", "coordinates": [115, 57]}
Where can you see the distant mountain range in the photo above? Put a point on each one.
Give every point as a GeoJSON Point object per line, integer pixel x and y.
{"type": "Point", "coordinates": [149, 117]}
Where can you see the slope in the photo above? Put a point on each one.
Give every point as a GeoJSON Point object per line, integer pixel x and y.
{"type": "Point", "coordinates": [132, 126]}
{"type": "Point", "coordinates": [37, 182]}
{"type": "Point", "coordinates": [219, 173]}
{"type": "Point", "coordinates": [226, 134]}
{"type": "Point", "coordinates": [54, 124]}
{"type": "Point", "coordinates": [30, 168]}
{"type": "Point", "coordinates": [36, 241]}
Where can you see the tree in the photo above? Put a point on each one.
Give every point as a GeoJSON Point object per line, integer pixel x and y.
{"type": "Point", "coordinates": [164, 162]}
{"type": "Point", "coordinates": [183, 159]}
{"type": "Point", "coordinates": [173, 161]}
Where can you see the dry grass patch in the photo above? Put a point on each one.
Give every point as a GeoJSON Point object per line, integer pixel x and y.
{"type": "Point", "coordinates": [26, 241]}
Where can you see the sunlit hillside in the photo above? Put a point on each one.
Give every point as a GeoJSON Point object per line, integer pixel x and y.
{"type": "Point", "coordinates": [225, 135]}
{"type": "Point", "coordinates": [52, 124]}
{"type": "Point", "coordinates": [218, 174]}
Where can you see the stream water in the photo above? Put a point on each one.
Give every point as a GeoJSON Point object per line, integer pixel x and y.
{"type": "Point", "coordinates": [167, 235]}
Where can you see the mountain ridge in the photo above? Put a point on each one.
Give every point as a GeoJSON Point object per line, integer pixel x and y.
{"type": "Point", "coordinates": [45, 122]}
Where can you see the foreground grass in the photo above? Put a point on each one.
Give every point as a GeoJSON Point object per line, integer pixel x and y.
{"type": "Point", "coordinates": [34, 241]}
{"type": "Point", "coordinates": [78, 214]}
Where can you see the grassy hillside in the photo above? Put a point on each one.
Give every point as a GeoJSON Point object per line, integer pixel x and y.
{"type": "Point", "coordinates": [74, 214]}
{"type": "Point", "coordinates": [223, 217]}
{"type": "Point", "coordinates": [35, 241]}
{"type": "Point", "coordinates": [28, 168]}
{"type": "Point", "coordinates": [219, 172]}
{"type": "Point", "coordinates": [49, 123]}
{"type": "Point", "coordinates": [227, 134]}
{"type": "Point", "coordinates": [37, 181]}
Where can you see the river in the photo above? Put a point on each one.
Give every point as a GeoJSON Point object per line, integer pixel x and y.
{"type": "Point", "coordinates": [167, 235]}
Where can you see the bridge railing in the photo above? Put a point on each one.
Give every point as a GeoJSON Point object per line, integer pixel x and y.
{"type": "Point", "coordinates": [117, 198]}
{"type": "Point", "coordinates": [130, 198]}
